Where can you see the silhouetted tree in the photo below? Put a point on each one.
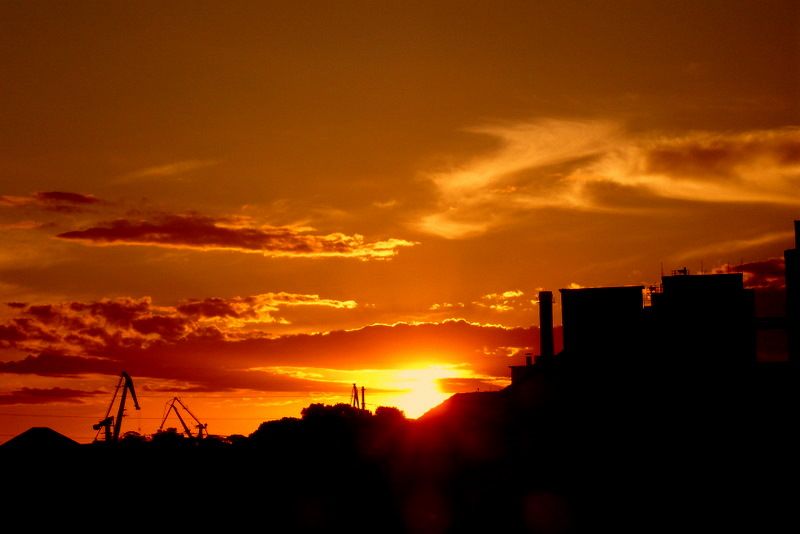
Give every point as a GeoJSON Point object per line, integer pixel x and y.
{"type": "Point", "coordinates": [390, 414]}
{"type": "Point", "coordinates": [168, 439]}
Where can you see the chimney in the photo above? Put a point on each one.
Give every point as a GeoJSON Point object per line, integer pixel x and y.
{"type": "Point", "coordinates": [792, 259]}
{"type": "Point", "coordinates": [546, 323]}
{"type": "Point", "coordinates": [797, 234]}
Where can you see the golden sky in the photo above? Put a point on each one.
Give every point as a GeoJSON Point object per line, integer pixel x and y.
{"type": "Point", "coordinates": [254, 205]}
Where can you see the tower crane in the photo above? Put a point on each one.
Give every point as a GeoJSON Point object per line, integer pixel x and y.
{"type": "Point", "coordinates": [202, 428]}
{"type": "Point", "coordinates": [126, 383]}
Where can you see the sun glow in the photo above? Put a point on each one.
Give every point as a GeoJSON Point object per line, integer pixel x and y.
{"type": "Point", "coordinates": [422, 389]}
{"type": "Point", "coordinates": [415, 389]}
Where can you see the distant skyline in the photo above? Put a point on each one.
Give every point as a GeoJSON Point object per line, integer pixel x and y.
{"type": "Point", "coordinates": [255, 205]}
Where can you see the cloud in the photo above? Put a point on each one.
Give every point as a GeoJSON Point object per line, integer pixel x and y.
{"type": "Point", "coordinates": [24, 225]}
{"type": "Point", "coordinates": [754, 166]}
{"type": "Point", "coordinates": [438, 306]}
{"type": "Point", "coordinates": [45, 396]}
{"type": "Point", "coordinates": [736, 245]}
{"type": "Point", "coordinates": [101, 327]}
{"type": "Point", "coordinates": [510, 300]}
{"type": "Point", "coordinates": [201, 346]}
{"type": "Point", "coordinates": [206, 233]}
{"type": "Point", "coordinates": [59, 365]}
{"type": "Point", "coordinates": [167, 170]}
{"type": "Point", "coordinates": [720, 157]}
{"type": "Point", "coordinates": [599, 166]}
{"type": "Point", "coordinates": [201, 375]}
{"type": "Point", "coordinates": [59, 197]}
{"type": "Point", "coordinates": [60, 201]}
{"type": "Point", "coordinates": [257, 308]}
{"type": "Point", "coordinates": [765, 274]}
{"type": "Point", "coordinates": [506, 301]}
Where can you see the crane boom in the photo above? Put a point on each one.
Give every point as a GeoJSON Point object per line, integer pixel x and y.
{"type": "Point", "coordinates": [183, 423]}
{"type": "Point", "coordinates": [201, 427]}
{"type": "Point", "coordinates": [126, 383]}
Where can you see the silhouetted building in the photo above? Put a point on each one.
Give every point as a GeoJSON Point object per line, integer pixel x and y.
{"type": "Point", "coordinates": [792, 260]}
{"type": "Point", "coordinates": [602, 322]}
{"type": "Point", "coordinates": [704, 319]}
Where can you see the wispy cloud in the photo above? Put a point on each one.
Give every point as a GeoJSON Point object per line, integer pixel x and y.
{"type": "Point", "coordinates": [736, 245]}
{"type": "Point", "coordinates": [61, 201]}
{"type": "Point", "coordinates": [438, 306]}
{"type": "Point", "coordinates": [503, 301]}
{"type": "Point", "coordinates": [385, 204]}
{"type": "Point", "coordinates": [506, 301]}
{"type": "Point", "coordinates": [23, 225]}
{"type": "Point", "coordinates": [239, 311]}
{"type": "Point", "coordinates": [45, 396]}
{"type": "Point", "coordinates": [206, 233]}
{"type": "Point", "coordinates": [175, 168]}
{"type": "Point", "coordinates": [598, 165]}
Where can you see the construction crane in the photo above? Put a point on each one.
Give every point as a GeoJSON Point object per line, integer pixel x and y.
{"type": "Point", "coordinates": [126, 383]}
{"type": "Point", "coordinates": [202, 428]}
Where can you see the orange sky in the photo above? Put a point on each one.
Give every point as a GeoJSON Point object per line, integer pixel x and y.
{"type": "Point", "coordinates": [254, 206]}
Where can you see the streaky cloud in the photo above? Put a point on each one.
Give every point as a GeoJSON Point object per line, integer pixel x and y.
{"type": "Point", "coordinates": [59, 201]}
{"type": "Point", "coordinates": [28, 395]}
{"type": "Point", "coordinates": [600, 166]}
{"type": "Point", "coordinates": [176, 168]}
{"type": "Point", "coordinates": [197, 232]}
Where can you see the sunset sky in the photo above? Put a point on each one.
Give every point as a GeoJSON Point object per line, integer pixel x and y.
{"type": "Point", "coordinates": [255, 205]}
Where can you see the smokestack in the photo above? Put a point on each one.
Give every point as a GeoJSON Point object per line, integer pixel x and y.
{"type": "Point", "coordinates": [792, 259]}
{"type": "Point", "coordinates": [546, 323]}
{"type": "Point", "coordinates": [797, 234]}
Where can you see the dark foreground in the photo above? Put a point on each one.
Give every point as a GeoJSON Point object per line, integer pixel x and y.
{"type": "Point", "coordinates": [589, 450]}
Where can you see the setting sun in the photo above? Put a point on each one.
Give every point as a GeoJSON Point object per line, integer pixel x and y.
{"type": "Point", "coordinates": [415, 389]}
{"type": "Point", "coordinates": [420, 388]}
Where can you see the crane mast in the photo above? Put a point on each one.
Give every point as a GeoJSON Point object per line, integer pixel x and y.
{"type": "Point", "coordinates": [201, 427]}
{"type": "Point", "coordinates": [110, 425]}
